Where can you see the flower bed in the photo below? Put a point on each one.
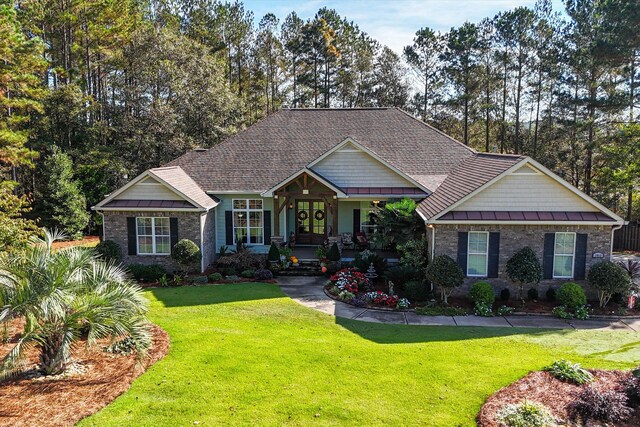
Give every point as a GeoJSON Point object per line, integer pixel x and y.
{"type": "Point", "coordinates": [350, 286]}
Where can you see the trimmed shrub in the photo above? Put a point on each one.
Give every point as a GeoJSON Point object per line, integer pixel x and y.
{"type": "Point", "coordinates": [609, 406]}
{"type": "Point", "coordinates": [482, 292]}
{"type": "Point", "coordinates": [186, 253]}
{"type": "Point", "coordinates": [526, 414]}
{"type": "Point", "coordinates": [215, 277]}
{"type": "Point", "coordinates": [263, 274]}
{"type": "Point", "coordinates": [417, 291]}
{"type": "Point", "coordinates": [503, 310]}
{"type": "Point", "coordinates": [109, 251]}
{"type": "Point", "coordinates": [551, 294]}
{"type": "Point", "coordinates": [445, 273]}
{"type": "Point", "coordinates": [199, 279]}
{"type": "Point", "coordinates": [334, 253]}
{"type": "Point", "coordinates": [524, 268]}
{"type": "Point", "coordinates": [505, 294]}
{"type": "Point", "coordinates": [241, 261]}
{"type": "Point", "coordinates": [147, 273]}
{"type": "Point", "coordinates": [248, 274]}
{"type": "Point", "coordinates": [572, 296]}
{"type": "Point", "coordinates": [566, 371]}
{"type": "Point", "coordinates": [402, 274]}
{"type": "Point", "coordinates": [414, 253]}
{"type": "Point", "coordinates": [532, 294]}
{"type": "Point", "coordinates": [227, 271]}
{"type": "Point", "coordinates": [274, 253]}
{"type": "Point", "coordinates": [482, 309]}
{"type": "Point", "coordinates": [608, 278]}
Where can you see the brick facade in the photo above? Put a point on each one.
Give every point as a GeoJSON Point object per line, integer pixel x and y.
{"type": "Point", "coordinates": [115, 228]}
{"type": "Point", "coordinates": [514, 238]}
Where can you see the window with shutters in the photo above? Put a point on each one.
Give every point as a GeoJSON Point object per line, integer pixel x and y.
{"type": "Point", "coordinates": [248, 221]}
{"type": "Point", "coordinates": [153, 236]}
{"type": "Point", "coordinates": [478, 254]}
{"type": "Point", "coordinates": [564, 250]}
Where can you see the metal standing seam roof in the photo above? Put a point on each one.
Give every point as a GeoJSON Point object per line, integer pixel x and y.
{"type": "Point", "coordinates": [161, 204]}
{"type": "Point", "coordinates": [525, 216]}
{"type": "Point", "coordinates": [283, 143]}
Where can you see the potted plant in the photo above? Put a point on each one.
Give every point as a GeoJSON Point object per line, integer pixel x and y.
{"type": "Point", "coordinates": [274, 254]}
{"type": "Point", "coordinates": [333, 256]}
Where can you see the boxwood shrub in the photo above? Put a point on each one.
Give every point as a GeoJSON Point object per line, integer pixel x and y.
{"type": "Point", "coordinates": [572, 296]}
{"type": "Point", "coordinates": [482, 292]}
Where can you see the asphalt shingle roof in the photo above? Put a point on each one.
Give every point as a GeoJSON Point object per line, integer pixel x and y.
{"type": "Point", "coordinates": [176, 177]}
{"type": "Point", "coordinates": [469, 175]}
{"type": "Point", "coordinates": [271, 150]}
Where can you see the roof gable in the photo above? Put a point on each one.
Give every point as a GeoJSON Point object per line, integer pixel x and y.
{"type": "Point", "coordinates": [168, 187]}
{"type": "Point", "coordinates": [351, 165]}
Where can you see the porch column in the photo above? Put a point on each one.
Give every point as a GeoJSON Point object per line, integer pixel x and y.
{"type": "Point", "coordinates": [334, 204]}
{"type": "Point", "coordinates": [276, 217]}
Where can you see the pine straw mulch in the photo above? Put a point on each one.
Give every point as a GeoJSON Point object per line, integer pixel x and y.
{"type": "Point", "coordinates": [85, 241]}
{"type": "Point", "coordinates": [542, 387]}
{"type": "Point", "coordinates": [94, 379]}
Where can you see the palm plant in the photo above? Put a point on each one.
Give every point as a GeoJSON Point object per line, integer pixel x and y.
{"type": "Point", "coordinates": [64, 295]}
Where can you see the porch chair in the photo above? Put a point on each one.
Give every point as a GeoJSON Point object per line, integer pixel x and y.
{"type": "Point", "coordinates": [361, 240]}
{"type": "Point", "coordinates": [347, 240]}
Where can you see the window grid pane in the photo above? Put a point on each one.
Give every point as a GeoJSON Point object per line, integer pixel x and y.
{"type": "Point", "coordinates": [248, 221]}
{"type": "Point", "coordinates": [563, 257]}
{"type": "Point", "coordinates": [477, 253]}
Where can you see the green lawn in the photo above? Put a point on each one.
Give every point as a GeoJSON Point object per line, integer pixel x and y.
{"type": "Point", "coordinates": [247, 355]}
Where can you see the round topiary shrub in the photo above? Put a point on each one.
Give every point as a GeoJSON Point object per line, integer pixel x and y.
{"type": "Point", "coordinates": [248, 274]}
{"type": "Point", "coordinates": [109, 251]}
{"type": "Point", "coordinates": [334, 253]}
{"type": "Point", "coordinates": [445, 273]}
{"type": "Point", "coordinates": [417, 291]}
{"type": "Point", "coordinates": [572, 296]}
{"type": "Point", "coordinates": [186, 253]}
{"type": "Point", "coordinates": [523, 268]}
{"type": "Point", "coordinates": [215, 277]}
{"type": "Point", "coordinates": [505, 294]}
{"type": "Point", "coordinates": [482, 292]}
{"type": "Point", "coordinates": [552, 295]}
{"type": "Point", "coordinates": [533, 294]}
{"type": "Point", "coordinates": [608, 278]}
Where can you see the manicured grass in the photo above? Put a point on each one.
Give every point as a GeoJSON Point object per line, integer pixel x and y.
{"type": "Point", "coordinates": [244, 354]}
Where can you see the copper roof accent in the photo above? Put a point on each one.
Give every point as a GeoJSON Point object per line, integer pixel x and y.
{"type": "Point", "coordinates": [273, 149]}
{"type": "Point", "coordinates": [400, 191]}
{"type": "Point", "coordinates": [525, 216]}
{"type": "Point", "coordinates": [177, 178]}
{"type": "Point", "coordinates": [472, 173]}
{"type": "Point", "coordinates": [160, 204]}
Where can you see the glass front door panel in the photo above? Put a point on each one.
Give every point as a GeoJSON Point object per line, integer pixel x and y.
{"type": "Point", "coordinates": [303, 217]}
{"type": "Point", "coordinates": [311, 222]}
{"type": "Point", "coordinates": [318, 218]}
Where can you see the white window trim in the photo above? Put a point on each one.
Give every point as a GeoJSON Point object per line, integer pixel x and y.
{"type": "Point", "coordinates": [153, 236]}
{"type": "Point", "coordinates": [573, 255]}
{"type": "Point", "coordinates": [486, 267]}
{"type": "Point", "coordinates": [248, 227]}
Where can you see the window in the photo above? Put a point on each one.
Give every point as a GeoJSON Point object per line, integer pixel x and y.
{"type": "Point", "coordinates": [563, 255]}
{"type": "Point", "coordinates": [478, 253]}
{"type": "Point", "coordinates": [247, 221]}
{"type": "Point", "coordinates": [367, 215]}
{"type": "Point", "coordinates": [153, 236]}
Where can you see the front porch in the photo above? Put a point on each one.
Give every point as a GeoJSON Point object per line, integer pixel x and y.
{"type": "Point", "coordinates": [307, 253]}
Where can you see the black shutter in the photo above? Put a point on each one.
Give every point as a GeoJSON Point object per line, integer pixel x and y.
{"type": "Point", "coordinates": [356, 221]}
{"type": "Point", "coordinates": [494, 254]}
{"type": "Point", "coordinates": [547, 256]}
{"type": "Point", "coordinates": [580, 267]}
{"type": "Point", "coordinates": [173, 231]}
{"type": "Point", "coordinates": [132, 236]}
{"type": "Point", "coordinates": [228, 226]}
{"type": "Point", "coordinates": [463, 240]}
{"type": "Point", "coordinates": [267, 227]}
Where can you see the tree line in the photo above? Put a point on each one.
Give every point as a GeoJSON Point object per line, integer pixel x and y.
{"type": "Point", "coordinates": [94, 92]}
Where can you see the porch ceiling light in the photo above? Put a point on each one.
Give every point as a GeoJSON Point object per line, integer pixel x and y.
{"type": "Point", "coordinates": [376, 202]}
{"type": "Point", "coordinates": [290, 205]}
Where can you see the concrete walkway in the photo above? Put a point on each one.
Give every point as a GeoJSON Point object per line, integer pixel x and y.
{"type": "Point", "coordinates": [309, 292]}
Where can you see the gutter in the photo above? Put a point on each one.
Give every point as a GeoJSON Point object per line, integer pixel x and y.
{"type": "Point", "coordinates": [613, 230]}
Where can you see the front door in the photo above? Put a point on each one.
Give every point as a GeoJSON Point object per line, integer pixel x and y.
{"type": "Point", "coordinates": [311, 219]}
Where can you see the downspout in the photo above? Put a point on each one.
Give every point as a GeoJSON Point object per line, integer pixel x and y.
{"type": "Point", "coordinates": [613, 230]}
{"type": "Point", "coordinates": [202, 239]}
{"type": "Point", "coordinates": [104, 237]}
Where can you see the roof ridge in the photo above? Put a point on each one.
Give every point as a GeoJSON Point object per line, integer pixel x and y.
{"type": "Point", "coordinates": [435, 130]}
{"type": "Point", "coordinates": [489, 154]}
{"type": "Point", "coordinates": [334, 108]}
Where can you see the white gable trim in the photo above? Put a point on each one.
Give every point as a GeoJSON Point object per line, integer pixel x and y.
{"type": "Point", "coordinates": [364, 149]}
{"type": "Point", "coordinates": [311, 173]}
{"type": "Point", "coordinates": [543, 170]}
{"type": "Point", "coordinates": [139, 179]}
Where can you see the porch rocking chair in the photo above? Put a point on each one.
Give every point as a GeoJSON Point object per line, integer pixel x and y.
{"type": "Point", "coordinates": [361, 240]}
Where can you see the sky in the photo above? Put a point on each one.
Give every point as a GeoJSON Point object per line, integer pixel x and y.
{"type": "Point", "coordinates": [394, 22]}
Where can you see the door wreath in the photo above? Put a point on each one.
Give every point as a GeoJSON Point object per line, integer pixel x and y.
{"type": "Point", "coordinates": [319, 215]}
{"type": "Point", "coordinates": [302, 215]}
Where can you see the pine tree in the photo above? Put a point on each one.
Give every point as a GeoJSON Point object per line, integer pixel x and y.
{"type": "Point", "coordinates": [63, 206]}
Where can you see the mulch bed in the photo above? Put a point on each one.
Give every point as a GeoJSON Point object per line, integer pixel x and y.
{"type": "Point", "coordinates": [556, 395]}
{"type": "Point", "coordinates": [94, 379]}
{"type": "Point", "coordinates": [85, 241]}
